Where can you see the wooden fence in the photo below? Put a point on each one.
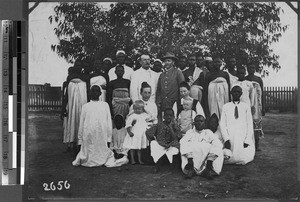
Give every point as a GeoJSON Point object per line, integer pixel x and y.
{"type": "Point", "coordinates": [47, 98]}
{"type": "Point", "coordinates": [281, 98]}
{"type": "Point", "coordinates": [44, 98]}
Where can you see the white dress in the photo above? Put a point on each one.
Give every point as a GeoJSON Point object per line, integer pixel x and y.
{"type": "Point", "coordinates": [95, 130]}
{"type": "Point", "coordinates": [77, 97]}
{"type": "Point", "coordinates": [238, 131]}
{"type": "Point", "coordinates": [139, 140]}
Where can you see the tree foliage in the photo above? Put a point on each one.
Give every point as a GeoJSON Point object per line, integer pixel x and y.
{"type": "Point", "coordinates": [243, 30]}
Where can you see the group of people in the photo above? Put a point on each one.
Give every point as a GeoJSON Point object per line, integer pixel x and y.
{"type": "Point", "coordinates": [189, 109]}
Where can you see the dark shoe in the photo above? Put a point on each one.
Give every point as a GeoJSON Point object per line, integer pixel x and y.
{"type": "Point", "coordinates": [207, 174]}
{"type": "Point", "coordinates": [190, 173]}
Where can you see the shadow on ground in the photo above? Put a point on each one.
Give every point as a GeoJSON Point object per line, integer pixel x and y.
{"type": "Point", "coordinates": [272, 175]}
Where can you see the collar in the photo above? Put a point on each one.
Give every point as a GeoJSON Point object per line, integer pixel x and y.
{"type": "Point", "coordinates": [236, 103]}
{"type": "Point", "coordinates": [188, 98]}
{"type": "Point", "coordinates": [166, 70]}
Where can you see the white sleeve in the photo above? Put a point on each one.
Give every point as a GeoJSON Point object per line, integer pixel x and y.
{"type": "Point", "coordinates": [109, 123]}
{"type": "Point", "coordinates": [175, 109]}
{"type": "Point", "coordinates": [134, 88]}
{"type": "Point", "coordinates": [199, 109]}
{"type": "Point", "coordinates": [223, 124]}
{"type": "Point", "coordinates": [81, 125]}
{"type": "Point", "coordinates": [129, 120]}
{"type": "Point", "coordinates": [250, 133]}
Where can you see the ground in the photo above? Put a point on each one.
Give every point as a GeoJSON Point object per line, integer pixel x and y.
{"type": "Point", "coordinates": [272, 174]}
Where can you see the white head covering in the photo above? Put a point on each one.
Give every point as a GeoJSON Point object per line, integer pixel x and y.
{"type": "Point", "coordinates": [109, 59]}
{"type": "Point", "coordinates": [96, 85]}
{"type": "Point", "coordinates": [208, 59]}
{"type": "Point", "coordinates": [120, 52]}
{"type": "Point", "coordinates": [157, 60]}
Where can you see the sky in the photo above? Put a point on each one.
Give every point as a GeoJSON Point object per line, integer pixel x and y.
{"type": "Point", "coordinates": [45, 66]}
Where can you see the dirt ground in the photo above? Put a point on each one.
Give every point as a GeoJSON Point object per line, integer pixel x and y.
{"type": "Point", "coordinates": [272, 174]}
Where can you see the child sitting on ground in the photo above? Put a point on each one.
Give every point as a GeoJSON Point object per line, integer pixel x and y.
{"type": "Point", "coordinates": [186, 116]}
{"type": "Point", "coordinates": [136, 125]}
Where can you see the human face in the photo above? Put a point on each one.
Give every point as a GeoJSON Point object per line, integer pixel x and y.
{"type": "Point", "coordinates": [157, 66]}
{"type": "Point", "coordinates": [182, 63]}
{"type": "Point", "coordinates": [106, 65]}
{"type": "Point", "coordinates": [232, 62]}
{"type": "Point", "coordinates": [168, 116]}
{"type": "Point", "coordinates": [192, 60]}
{"type": "Point", "coordinates": [121, 58]}
{"type": "Point", "coordinates": [213, 124]}
{"type": "Point", "coordinates": [184, 92]}
{"type": "Point", "coordinates": [145, 61]}
{"type": "Point", "coordinates": [119, 71]}
{"type": "Point", "coordinates": [169, 63]}
{"type": "Point", "coordinates": [236, 93]}
{"type": "Point", "coordinates": [241, 73]}
{"type": "Point", "coordinates": [146, 94]}
{"type": "Point", "coordinates": [251, 69]}
{"type": "Point", "coordinates": [199, 61]}
{"type": "Point", "coordinates": [199, 123]}
{"type": "Point", "coordinates": [209, 65]}
{"type": "Point", "coordinates": [138, 109]}
{"type": "Point", "coordinates": [186, 106]}
{"type": "Point", "coordinates": [217, 63]}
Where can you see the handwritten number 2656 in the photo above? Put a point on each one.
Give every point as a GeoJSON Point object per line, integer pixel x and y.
{"type": "Point", "coordinates": [60, 185]}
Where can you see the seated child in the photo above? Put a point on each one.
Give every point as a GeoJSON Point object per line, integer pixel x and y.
{"type": "Point", "coordinates": [136, 125]}
{"type": "Point", "coordinates": [186, 116]}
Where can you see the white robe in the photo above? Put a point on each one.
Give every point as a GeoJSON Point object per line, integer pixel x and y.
{"type": "Point", "coordinates": [137, 78]}
{"type": "Point", "coordinates": [95, 130]}
{"type": "Point", "coordinates": [127, 73]}
{"type": "Point", "coordinates": [202, 145]}
{"type": "Point", "coordinates": [77, 97]}
{"type": "Point", "coordinates": [101, 81]}
{"type": "Point", "coordinates": [218, 95]}
{"type": "Point", "coordinates": [233, 79]}
{"type": "Point", "coordinates": [238, 131]}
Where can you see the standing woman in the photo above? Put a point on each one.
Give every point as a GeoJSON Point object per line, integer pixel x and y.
{"type": "Point", "coordinates": [75, 98]}
{"type": "Point", "coordinates": [118, 93]}
{"type": "Point", "coordinates": [216, 89]}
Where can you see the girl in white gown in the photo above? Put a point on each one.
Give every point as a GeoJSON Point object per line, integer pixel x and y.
{"type": "Point", "coordinates": [136, 125]}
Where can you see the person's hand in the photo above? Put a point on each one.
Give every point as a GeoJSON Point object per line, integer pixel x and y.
{"type": "Point", "coordinates": [133, 122]}
{"type": "Point", "coordinates": [63, 114]}
{"type": "Point", "coordinates": [227, 144]}
{"type": "Point", "coordinates": [245, 145]}
{"type": "Point", "coordinates": [252, 110]}
{"type": "Point", "coordinates": [131, 134]}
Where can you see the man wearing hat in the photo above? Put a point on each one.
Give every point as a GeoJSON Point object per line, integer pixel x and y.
{"type": "Point", "coordinates": [231, 69]}
{"type": "Point", "coordinates": [168, 84]}
{"type": "Point", "coordinates": [121, 56]}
